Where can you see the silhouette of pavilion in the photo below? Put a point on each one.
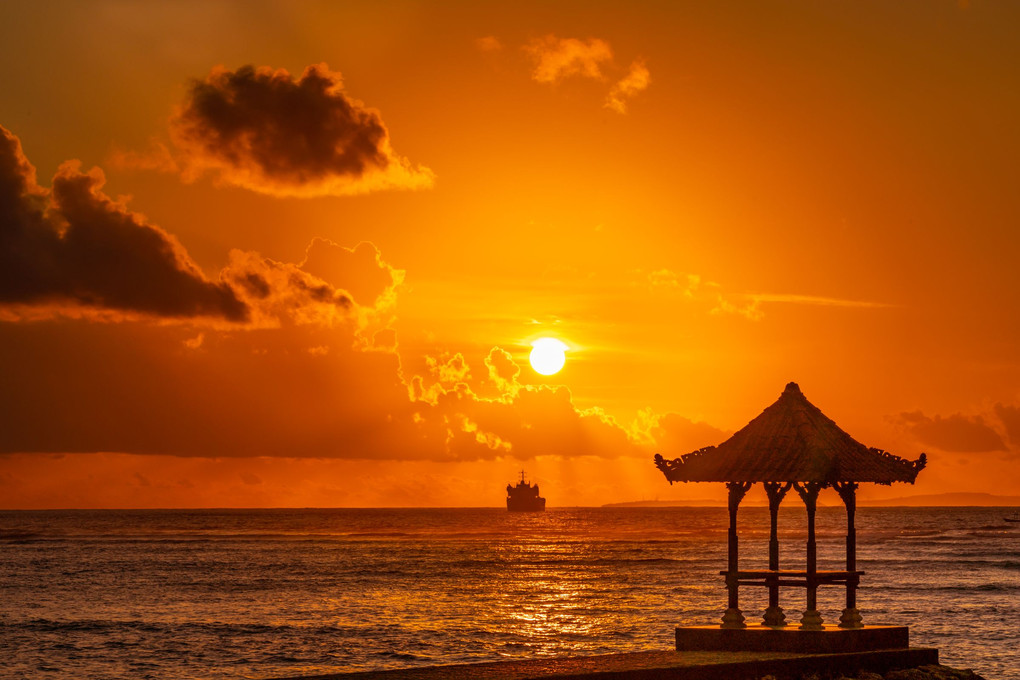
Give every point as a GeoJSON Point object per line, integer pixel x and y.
{"type": "Point", "coordinates": [791, 444]}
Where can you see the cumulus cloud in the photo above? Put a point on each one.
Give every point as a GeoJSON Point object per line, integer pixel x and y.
{"type": "Point", "coordinates": [636, 80]}
{"type": "Point", "coordinates": [72, 251]}
{"type": "Point", "coordinates": [75, 251]}
{"type": "Point", "coordinates": [270, 132]}
{"type": "Point", "coordinates": [957, 432]}
{"type": "Point", "coordinates": [558, 58]}
{"type": "Point", "coordinates": [503, 372]}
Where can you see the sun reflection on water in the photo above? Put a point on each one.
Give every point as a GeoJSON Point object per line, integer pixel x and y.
{"type": "Point", "coordinates": [550, 595]}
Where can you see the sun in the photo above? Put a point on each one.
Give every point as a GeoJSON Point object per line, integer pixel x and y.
{"type": "Point", "coordinates": [547, 355]}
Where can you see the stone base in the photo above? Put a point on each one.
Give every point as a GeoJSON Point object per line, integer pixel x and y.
{"type": "Point", "coordinates": [758, 638]}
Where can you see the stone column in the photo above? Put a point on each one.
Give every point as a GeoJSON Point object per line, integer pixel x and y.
{"type": "Point", "coordinates": [733, 618]}
{"type": "Point", "coordinates": [851, 617]}
{"type": "Point", "coordinates": [812, 619]}
{"type": "Point", "coordinates": [774, 615]}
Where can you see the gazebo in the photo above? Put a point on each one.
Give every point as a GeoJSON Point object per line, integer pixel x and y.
{"type": "Point", "coordinates": [791, 444]}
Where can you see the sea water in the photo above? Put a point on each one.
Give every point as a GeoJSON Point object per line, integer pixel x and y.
{"type": "Point", "coordinates": [271, 593]}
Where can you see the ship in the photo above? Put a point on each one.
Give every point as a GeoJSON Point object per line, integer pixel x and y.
{"type": "Point", "coordinates": [524, 497]}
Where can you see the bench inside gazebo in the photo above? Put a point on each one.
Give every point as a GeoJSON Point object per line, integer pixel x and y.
{"type": "Point", "coordinates": [791, 445]}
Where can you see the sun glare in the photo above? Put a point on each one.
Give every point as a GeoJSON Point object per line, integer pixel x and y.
{"type": "Point", "coordinates": [547, 355]}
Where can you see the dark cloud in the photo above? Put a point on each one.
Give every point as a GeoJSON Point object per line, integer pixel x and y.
{"type": "Point", "coordinates": [957, 433]}
{"type": "Point", "coordinates": [137, 388]}
{"type": "Point", "coordinates": [255, 284]}
{"type": "Point", "coordinates": [264, 130]}
{"type": "Point", "coordinates": [73, 248]}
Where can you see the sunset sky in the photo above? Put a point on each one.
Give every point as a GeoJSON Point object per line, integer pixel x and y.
{"type": "Point", "coordinates": [296, 253]}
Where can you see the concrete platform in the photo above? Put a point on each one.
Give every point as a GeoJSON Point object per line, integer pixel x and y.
{"type": "Point", "coordinates": [664, 665]}
{"type": "Point", "coordinates": [758, 638]}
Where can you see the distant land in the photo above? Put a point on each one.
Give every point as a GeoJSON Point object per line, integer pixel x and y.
{"type": "Point", "coordinates": [929, 500]}
{"type": "Point", "coordinates": [950, 499]}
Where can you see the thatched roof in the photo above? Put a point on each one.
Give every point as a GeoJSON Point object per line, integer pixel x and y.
{"type": "Point", "coordinates": [791, 441]}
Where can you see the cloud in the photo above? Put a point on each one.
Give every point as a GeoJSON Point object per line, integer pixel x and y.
{"type": "Point", "coordinates": [250, 479]}
{"type": "Point", "coordinates": [956, 433]}
{"type": "Point", "coordinates": [293, 360]}
{"type": "Point", "coordinates": [280, 292]}
{"type": "Point", "coordinates": [750, 310]}
{"type": "Point", "coordinates": [448, 370]}
{"type": "Point", "coordinates": [814, 300]}
{"type": "Point", "coordinates": [665, 279]}
{"type": "Point", "coordinates": [360, 270]}
{"type": "Point", "coordinates": [673, 435]}
{"type": "Point", "coordinates": [489, 43]}
{"type": "Point", "coordinates": [558, 58]}
{"type": "Point", "coordinates": [264, 130]}
{"type": "Point", "coordinates": [74, 251]}
{"type": "Point", "coordinates": [133, 388]}
{"type": "Point", "coordinates": [503, 372]}
{"type": "Point", "coordinates": [526, 421]}
{"type": "Point", "coordinates": [636, 80]}
{"type": "Point", "coordinates": [1010, 418]}
{"type": "Point", "coordinates": [749, 305]}
{"type": "Point", "coordinates": [555, 59]}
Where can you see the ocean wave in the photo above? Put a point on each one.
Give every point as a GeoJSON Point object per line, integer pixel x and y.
{"type": "Point", "coordinates": [401, 656]}
{"type": "Point", "coordinates": [189, 628]}
{"type": "Point", "coordinates": [982, 587]}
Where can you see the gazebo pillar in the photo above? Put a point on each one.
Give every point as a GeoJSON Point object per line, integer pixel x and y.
{"type": "Point", "coordinates": [851, 618]}
{"type": "Point", "coordinates": [733, 618]}
{"type": "Point", "coordinates": [774, 615]}
{"type": "Point", "coordinates": [812, 619]}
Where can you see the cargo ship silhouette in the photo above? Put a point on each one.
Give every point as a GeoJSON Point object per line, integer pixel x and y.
{"type": "Point", "coordinates": [524, 497]}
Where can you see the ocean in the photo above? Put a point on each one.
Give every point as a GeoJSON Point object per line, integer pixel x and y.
{"type": "Point", "coordinates": [274, 593]}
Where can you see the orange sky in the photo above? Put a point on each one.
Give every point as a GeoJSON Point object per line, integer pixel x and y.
{"type": "Point", "coordinates": [294, 254]}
